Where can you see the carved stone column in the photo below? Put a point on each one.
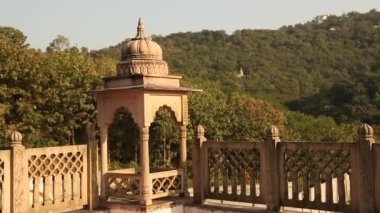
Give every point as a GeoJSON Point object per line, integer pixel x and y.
{"type": "Point", "coordinates": [104, 158]}
{"type": "Point", "coordinates": [145, 181]}
{"type": "Point", "coordinates": [270, 169]}
{"type": "Point", "coordinates": [198, 177]}
{"type": "Point", "coordinates": [183, 159]}
{"type": "Point", "coordinates": [362, 184]}
{"type": "Point", "coordinates": [19, 175]}
{"type": "Point", "coordinates": [92, 165]}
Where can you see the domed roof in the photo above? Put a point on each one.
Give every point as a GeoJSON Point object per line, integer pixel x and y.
{"type": "Point", "coordinates": [141, 46]}
{"type": "Point", "coordinates": [142, 56]}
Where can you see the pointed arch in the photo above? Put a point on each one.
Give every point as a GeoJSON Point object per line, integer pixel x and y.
{"type": "Point", "coordinates": [123, 140]}
{"type": "Point", "coordinates": [164, 139]}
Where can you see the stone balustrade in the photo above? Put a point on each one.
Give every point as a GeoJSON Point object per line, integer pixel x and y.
{"type": "Point", "coordinates": [328, 176]}
{"type": "Point", "coordinates": [47, 179]}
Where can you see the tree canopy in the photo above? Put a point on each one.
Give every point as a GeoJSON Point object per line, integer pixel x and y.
{"type": "Point", "coordinates": [308, 79]}
{"type": "Point", "coordinates": [330, 68]}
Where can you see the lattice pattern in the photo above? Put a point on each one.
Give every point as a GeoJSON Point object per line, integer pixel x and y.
{"type": "Point", "coordinates": [55, 164]}
{"type": "Point", "coordinates": [233, 159]}
{"type": "Point", "coordinates": [307, 161]}
{"type": "Point", "coordinates": [166, 184]}
{"type": "Point", "coordinates": [122, 186]}
{"type": "Point", "coordinates": [233, 172]}
{"type": "Point", "coordinates": [309, 169]}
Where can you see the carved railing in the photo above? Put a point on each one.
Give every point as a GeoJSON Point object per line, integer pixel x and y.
{"type": "Point", "coordinates": [57, 177]}
{"type": "Point", "coordinates": [4, 181]}
{"type": "Point", "coordinates": [165, 183]}
{"type": "Point", "coordinates": [49, 179]}
{"type": "Point", "coordinates": [315, 175]}
{"type": "Point", "coordinates": [122, 185]}
{"type": "Point", "coordinates": [232, 171]}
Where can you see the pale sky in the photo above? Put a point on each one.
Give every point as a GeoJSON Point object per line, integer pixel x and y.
{"type": "Point", "coordinates": [99, 23]}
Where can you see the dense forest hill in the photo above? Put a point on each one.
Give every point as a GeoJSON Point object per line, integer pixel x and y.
{"type": "Point", "coordinates": [315, 81]}
{"type": "Point", "coordinates": [321, 68]}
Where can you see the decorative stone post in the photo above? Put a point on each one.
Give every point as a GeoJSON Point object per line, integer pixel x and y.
{"type": "Point", "coordinates": [104, 158]}
{"type": "Point", "coordinates": [19, 175]}
{"type": "Point", "coordinates": [92, 178]}
{"type": "Point", "coordinates": [362, 184]}
{"type": "Point", "coordinates": [145, 182]}
{"type": "Point", "coordinates": [198, 182]}
{"type": "Point", "coordinates": [183, 157]}
{"type": "Point", "coordinates": [270, 169]}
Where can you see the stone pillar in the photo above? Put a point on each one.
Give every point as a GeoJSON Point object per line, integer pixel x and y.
{"type": "Point", "coordinates": [92, 162]}
{"type": "Point", "coordinates": [145, 181]}
{"type": "Point", "coordinates": [198, 180]}
{"type": "Point", "coordinates": [270, 170]}
{"type": "Point", "coordinates": [362, 184]}
{"type": "Point", "coordinates": [19, 175]}
{"type": "Point", "coordinates": [104, 158]}
{"type": "Point", "coordinates": [183, 159]}
{"type": "Point", "coordinates": [376, 175]}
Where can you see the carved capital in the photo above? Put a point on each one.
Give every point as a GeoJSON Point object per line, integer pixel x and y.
{"type": "Point", "coordinates": [16, 139]}
{"type": "Point", "coordinates": [365, 133]}
{"type": "Point", "coordinates": [144, 133]}
{"type": "Point", "coordinates": [183, 131]}
{"type": "Point", "coordinates": [200, 131]}
{"type": "Point", "coordinates": [273, 132]}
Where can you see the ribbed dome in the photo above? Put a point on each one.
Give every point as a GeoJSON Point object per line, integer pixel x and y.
{"type": "Point", "coordinates": [141, 47]}
{"type": "Point", "coordinates": [142, 56]}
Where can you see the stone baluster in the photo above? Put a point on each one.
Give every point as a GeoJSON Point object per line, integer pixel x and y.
{"type": "Point", "coordinates": [269, 169]}
{"type": "Point", "coordinates": [19, 175]}
{"type": "Point", "coordinates": [198, 178]}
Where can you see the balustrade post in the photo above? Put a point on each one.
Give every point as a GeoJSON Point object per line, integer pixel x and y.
{"type": "Point", "coordinates": [92, 162]}
{"type": "Point", "coordinates": [270, 170]}
{"type": "Point", "coordinates": [376, 161]}
{"type": "Point", "coordinates": [362, 184]}
{"type": "Point", "coordinates": [198, 178]}
{"type": "Point", "coordinates": [183, 159]}
{"type": "Point", "coordinates": [145, 181]}
{"type": "Point", "coordinates": [104, 159]}
{"type": "Point", "coordinates": [19, 175]}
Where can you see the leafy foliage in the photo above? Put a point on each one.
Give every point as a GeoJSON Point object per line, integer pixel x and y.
{"type": "Point", "coordinates": [123, 139]}
{"type": "Point", "coordinates": [164, 139]}
{"type": "Point", "coordinates": [328, 70]}
{"type": "Point", "coordinates": [41, 94]}
{"type": "Point", "coordinates": [305, 64]}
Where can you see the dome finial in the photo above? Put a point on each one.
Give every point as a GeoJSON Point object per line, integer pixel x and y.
{"type": "Point", "coordinates": [140, 29]}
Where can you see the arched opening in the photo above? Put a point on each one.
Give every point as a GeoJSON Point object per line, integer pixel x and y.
{"type": "Point", "coordinates": [164, 140]}
{"type": "Point", "coordinates": [123, 141]}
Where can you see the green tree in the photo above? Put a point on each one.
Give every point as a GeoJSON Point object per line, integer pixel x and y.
{"type": "Point", "coordinates": [123, 140]}
{"type": "Point", "coordinates": [60, 43]}
{"type": "Point", "coordinates": [164, 139]}
{"type": "Point", "coordinates": [250, 117]}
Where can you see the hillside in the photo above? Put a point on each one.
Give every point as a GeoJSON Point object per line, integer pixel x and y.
{"type": "Point", "coordinates": [329, 68]}
{"type": "Point", "coordinates": [330, 71]}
